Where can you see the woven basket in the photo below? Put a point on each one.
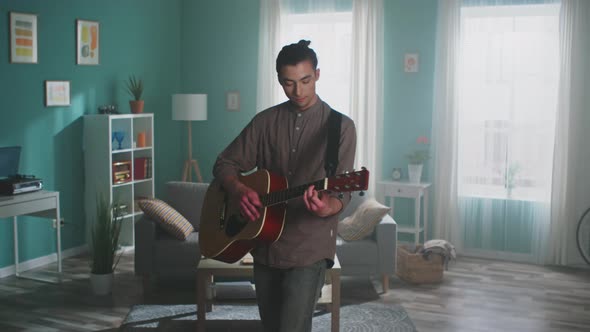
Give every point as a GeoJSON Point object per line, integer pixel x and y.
{"type": "Point", "coordinates": [415, 269]}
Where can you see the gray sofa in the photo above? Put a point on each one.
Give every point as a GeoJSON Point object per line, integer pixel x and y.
{"type": "Point", "coordinates": [160, 255]}
{"type": "Point", "coordinates": [372, 256]}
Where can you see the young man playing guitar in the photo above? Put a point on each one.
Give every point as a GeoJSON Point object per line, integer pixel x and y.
{"type": "Point", "coordinates": [290, 139]}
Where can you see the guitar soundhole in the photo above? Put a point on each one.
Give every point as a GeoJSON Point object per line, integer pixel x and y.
{"type": "Point", "coordinates": [235, 224]}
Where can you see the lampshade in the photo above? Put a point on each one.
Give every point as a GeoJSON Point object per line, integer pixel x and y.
{"type": "Point", "coordinates": [189, 107]}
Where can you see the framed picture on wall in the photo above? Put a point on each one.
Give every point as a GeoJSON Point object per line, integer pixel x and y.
{"type": "Point", "coordinates": [23, 38]}
{"type": "Point", "coordinates": [87, 42]}
{"type": "Point", "coordinates": [57, 93]}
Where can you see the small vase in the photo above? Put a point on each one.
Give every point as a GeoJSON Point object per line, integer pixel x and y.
{"type": "Point", "coordinates": [136, 106]}
{"type": "Point", "coordinates": [102, 284]}
{"type": "Point", "coordinates": [415, 172]}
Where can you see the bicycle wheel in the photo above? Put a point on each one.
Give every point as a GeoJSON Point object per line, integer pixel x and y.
{"type": "Point", "coordinates": [583, 236]}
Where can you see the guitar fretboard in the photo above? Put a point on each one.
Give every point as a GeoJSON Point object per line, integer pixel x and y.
{"type": "Point", "coordinates": [277, 197]}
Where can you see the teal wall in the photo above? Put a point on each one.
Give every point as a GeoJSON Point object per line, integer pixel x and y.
{"type": "Point", "coordinates": [140, 37]}
{"type": "Point", "coordinates": [219, 54]}
{"type": "Point", "coordinates": [409, 28]}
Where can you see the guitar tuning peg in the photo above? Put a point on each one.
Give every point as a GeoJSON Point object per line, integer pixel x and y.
{"type": "Point", "coordinates": [362, 193]}
{"type": "Point", "coordinates": [340, 195]}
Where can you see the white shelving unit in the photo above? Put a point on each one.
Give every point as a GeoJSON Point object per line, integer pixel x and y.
{"type": "Point", "coordinates": [101, 150]}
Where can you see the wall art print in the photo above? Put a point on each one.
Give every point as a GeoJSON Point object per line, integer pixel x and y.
{"type": "Point", "coordinates": [57, 93]}
{"type": "Point", "coordinates": [87, 42]}
{"type": "Point", "coordinates": [23, 38]}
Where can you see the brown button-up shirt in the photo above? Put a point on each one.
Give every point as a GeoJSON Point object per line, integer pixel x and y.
{"type": "Point", "coordinates": [292, 144]}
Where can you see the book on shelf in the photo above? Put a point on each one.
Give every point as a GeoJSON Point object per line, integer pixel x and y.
{"type": "Point", "coordinates": [142, 168]}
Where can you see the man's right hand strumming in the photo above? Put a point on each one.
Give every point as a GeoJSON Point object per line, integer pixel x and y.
{"type": "Point", "coordinates": [250, 204]}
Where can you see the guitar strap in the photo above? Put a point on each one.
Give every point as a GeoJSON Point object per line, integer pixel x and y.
{"type": "Point", "coordinates": [334, 122]}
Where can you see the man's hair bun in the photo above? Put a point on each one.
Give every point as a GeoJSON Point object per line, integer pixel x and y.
{"type": "Point", "coordinates": [294, 53]}
{"type": "Point", "coordinates": [304, 42]}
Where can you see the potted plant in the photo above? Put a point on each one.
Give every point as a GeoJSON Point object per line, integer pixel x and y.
{"type": "Point", "coordinates": [416, 160]}
{"type": "Point", "coordinates": [135, 89]}
{"type": "Point", "coordinates": [105, 242]}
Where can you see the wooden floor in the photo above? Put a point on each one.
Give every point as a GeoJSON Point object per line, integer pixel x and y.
{"type": "Point", "coordinates": [476, 295]}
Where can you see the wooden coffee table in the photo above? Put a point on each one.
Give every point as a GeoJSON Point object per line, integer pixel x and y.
{"type": "Point", "coordinates": [210, 268]}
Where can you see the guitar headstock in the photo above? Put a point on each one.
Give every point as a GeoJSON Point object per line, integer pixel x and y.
{"type": "Point", "coordinates": [354, 181]}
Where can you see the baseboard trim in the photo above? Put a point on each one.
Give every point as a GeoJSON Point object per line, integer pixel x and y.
{"type": "Point", "coordinates": [41, 261]}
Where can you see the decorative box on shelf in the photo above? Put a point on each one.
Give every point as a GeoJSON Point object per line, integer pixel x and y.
{"type": "Point", "coordinates": [121, 172]}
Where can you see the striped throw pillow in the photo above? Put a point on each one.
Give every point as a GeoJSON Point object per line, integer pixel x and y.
{"type": "Point", "coordinates": [363, 221]}
{"type": "Point", "coordinates": [167, 217]}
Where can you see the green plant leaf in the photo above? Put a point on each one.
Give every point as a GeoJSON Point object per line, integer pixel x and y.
{"type": "Point", "coordinates": [135, 87]}
{"type": "Point", "coordinates": [105, 237]}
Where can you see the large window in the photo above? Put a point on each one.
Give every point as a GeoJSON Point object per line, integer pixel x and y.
{"type": "Point", "coordinates": [330, 34]}
{"type": "Point", "coordinates": [508, 100]}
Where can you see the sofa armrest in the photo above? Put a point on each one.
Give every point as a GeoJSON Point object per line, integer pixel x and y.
{"type": "Point", "coordinates": [145, 237]}
{"type": "Point", "coordinates": [386, 236]}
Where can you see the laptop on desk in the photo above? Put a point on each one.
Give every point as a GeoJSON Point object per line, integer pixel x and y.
{"type": "Point", "coordinates": [11, 182]}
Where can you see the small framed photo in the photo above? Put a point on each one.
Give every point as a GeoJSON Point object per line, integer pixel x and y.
{"type": "Point", "coordinates": [87, 42]}
{"type": "Point", "coordinates": [411, 63]}
{"type": "Point", "coordinates": [23, 38]}
{"type": "Point", "coordinates": [57, 93]}
{"type": "Point", "coordinates": [232, 101]}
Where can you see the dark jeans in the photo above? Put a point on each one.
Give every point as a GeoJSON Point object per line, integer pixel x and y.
{"type": "Point", "coordinates": [287, 297]}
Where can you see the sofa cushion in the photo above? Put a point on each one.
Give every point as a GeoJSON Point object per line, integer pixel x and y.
{"type": "Point", "coordinates": [167, 217]}
{"type": "Point", "coordinates": [363, 221]}
{"type": "Point", "coordinates": [187, 198]}
{"type": "Point", "coordinates": [355, 201]}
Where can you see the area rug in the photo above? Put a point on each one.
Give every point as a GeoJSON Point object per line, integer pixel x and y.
{"type": "Point", "coordinates": [370, 316]}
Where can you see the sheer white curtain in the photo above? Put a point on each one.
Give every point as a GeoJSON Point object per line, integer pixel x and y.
{"type": "Point", "coordinates": [269, 32]}
{"type": "Point", "coordinates": [571, 141]}
{"type": "Point", "coordinates": [445, 125]}
{"type": "Point", "coordinates": [493, 126]}
{"type": "Point", "coordinates": [509, 77]}
{"type": "Point", "coordinates": [366, 92]}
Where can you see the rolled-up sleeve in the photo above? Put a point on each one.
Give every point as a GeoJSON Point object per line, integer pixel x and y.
{"type": "Point", "coordinates": [240, 154]}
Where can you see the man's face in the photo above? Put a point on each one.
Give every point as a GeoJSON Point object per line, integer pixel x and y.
{"type": "Point", "coordinates": [298, 82]}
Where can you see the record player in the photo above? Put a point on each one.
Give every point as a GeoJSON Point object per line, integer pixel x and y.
{"type": "Point", "coordinates": [12, 183]}
{"type": "Point", "coordinates": [20, 184]}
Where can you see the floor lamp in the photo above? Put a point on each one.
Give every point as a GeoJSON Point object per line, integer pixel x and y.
{"type": "Point", "coordinates": [190, 107]}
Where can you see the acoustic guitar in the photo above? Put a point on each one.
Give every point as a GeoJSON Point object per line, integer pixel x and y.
{"type": "Point", "coordinates": [226, 236]}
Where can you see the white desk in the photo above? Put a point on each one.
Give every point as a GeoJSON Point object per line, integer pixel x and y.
{"type": "Point", "coordinates": [44, 204]}
{"type": "Point", "coordinates": [408, 190]}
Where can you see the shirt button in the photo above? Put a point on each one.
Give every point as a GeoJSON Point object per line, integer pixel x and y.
{"type": "Point", "coordinates": [299, 114]}
{"type": "Point", "coordinates": [293, 150]}
{"type": "Point", "coordinates": [296, 128]}
{"type": "Point", "coordinates": [290, 173]}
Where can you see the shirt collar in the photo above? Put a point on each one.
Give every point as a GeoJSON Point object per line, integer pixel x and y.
{"type": "Point", "coordinates": [313, 109]}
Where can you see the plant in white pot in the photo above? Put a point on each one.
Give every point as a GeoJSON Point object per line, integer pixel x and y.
{"type": "Point", "coordinates": [135, 88]}
{"type": "Point", "coordinates": [416, 160]}
{"type": "Point", "coordinates": [105, 242]}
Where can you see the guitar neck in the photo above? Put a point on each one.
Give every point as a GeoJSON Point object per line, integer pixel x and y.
{"type": "Point", "coordinates": [290, 193]}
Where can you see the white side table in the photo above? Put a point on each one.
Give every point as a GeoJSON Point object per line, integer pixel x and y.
{"type": "Point", "coordinates": [408, 190]}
